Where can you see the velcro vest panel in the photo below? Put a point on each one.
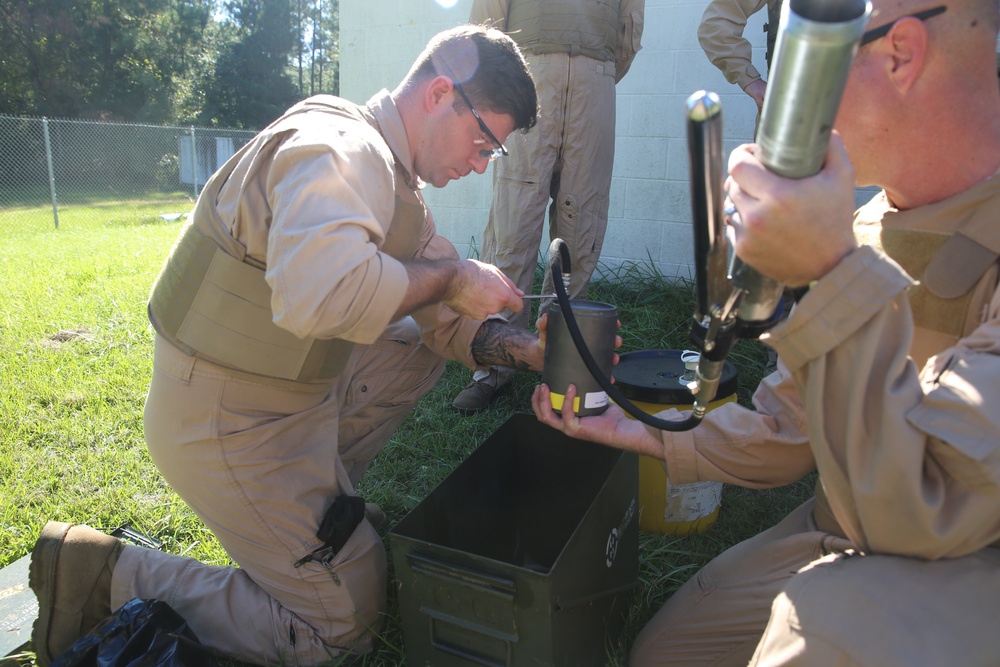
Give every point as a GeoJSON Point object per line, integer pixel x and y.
{"type": "Point", "coordinates": [914, 250]}
{"type": "Point", "coordinates": [218, 308]}
{"type": "Point", "coordinates": [213, 302]}
{"type": "Point", "coordinates": [948, 267]}
{"type": "Point", "coordinates": [563, 26]}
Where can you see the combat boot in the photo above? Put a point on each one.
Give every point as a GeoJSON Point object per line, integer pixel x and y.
{"type": "Point", "coordinates": [70, 574]}
{"type": "Point", "coordinates": [483, 388]}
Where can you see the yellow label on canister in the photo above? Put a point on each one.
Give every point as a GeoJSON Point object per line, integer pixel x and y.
{"type": "Point", "coordinates": [592, 401]}
{"type": "Point", "coordinates": [559, 399]}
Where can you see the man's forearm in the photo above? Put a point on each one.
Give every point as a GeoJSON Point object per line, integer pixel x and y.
{"type": "Point", "coordinates": [430, 282]}
{"type": "Point", "coordinates": [720, 34]}
{"type": "Point", "coordinates": [500, 344]}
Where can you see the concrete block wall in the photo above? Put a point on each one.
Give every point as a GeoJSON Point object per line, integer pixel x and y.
{"type": "Point", "coordinates": [650, 212]}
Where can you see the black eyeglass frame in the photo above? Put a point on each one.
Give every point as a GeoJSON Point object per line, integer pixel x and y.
{"type": "Point", "coordinates": [493, 152]}
{"type": "Point", "coordinates": [882, 31]}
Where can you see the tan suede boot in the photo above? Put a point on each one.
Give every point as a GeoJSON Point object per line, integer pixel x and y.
{"type": "Point", "coordinates": [484, 387]}
{"type": "Point", "coordinates": [70, 574]}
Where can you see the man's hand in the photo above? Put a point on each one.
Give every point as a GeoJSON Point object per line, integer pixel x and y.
{"type": "Point", "coordinates": [611, 427]}
{"type": "Point", "coordinates": [756, 89]}
{"type": "Point", "coordinates": [470, 288]}
{"type": "Point", "coordinates": [480, 290]}
{"type": "Point", "coordinates": [792, 230]}
{"type": "Point", "coordinates": [542, 328]}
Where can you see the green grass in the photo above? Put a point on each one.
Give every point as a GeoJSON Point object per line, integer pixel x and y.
{"type": "Point", "coordinates": [75, 362]}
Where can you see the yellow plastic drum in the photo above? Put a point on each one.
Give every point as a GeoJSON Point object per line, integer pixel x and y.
{"type": "Point", "coordinates": [655, 380]}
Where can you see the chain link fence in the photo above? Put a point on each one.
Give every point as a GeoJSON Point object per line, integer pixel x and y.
{"type": "Point", "coordinates": [65, 170]}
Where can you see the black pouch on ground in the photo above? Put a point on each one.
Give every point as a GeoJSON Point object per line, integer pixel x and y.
{"type": "Point", "coordinates": [143, 633]}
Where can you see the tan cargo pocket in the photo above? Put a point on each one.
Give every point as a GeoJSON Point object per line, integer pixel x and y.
{"type": "Point", "coordinates": [351, 586]}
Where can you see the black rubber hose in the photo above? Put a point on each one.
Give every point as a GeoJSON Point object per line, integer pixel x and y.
{"type": "Point", "coordinates": [588, 359]}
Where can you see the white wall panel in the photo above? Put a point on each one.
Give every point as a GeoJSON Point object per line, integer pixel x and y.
{"type": "Point", "coordinates": [650, 203]}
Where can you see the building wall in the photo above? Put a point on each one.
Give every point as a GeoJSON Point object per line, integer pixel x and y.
{"type": "Point", "coordinates": [650, 212]}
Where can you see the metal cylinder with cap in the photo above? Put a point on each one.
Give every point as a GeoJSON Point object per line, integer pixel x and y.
{"type": "Point", "coordinates": [598, 322]}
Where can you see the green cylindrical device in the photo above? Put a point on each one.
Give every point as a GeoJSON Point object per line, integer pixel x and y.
{"type": "Point", "coordinates": [598, 323]}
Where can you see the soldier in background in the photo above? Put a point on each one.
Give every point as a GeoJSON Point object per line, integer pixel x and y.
{"type": "Point", "coordinates": [577, 51]}
{"type": "Point", "coordinates": [721, 37]}
{"type": "Point", "coordinates": [888, 386]}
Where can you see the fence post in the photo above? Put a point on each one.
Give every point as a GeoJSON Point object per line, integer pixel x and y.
{"type": "Point", "coordinates": [52, 174]}
{"type": "Point", "coordinates": [194, 162]}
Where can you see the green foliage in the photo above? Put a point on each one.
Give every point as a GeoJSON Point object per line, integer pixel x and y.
{"type": "Point", "coordinates": [250, 87]}
{"type": "Point", "coordinates": [166, 61]}
{"type": "Point", "coordinates": [318, 50]}
{"type": "Point", "coordinates": [108, 60]}
{"type": "Point", "coordinates": [75, 363]}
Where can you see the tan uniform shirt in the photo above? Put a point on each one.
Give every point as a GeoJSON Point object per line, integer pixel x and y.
{"type": "Point", "coordinates": [908, 453]}
{"type": "Point", "coordinates": [720, 34]}
{"type": "Point", "coordinates": [316, 205]}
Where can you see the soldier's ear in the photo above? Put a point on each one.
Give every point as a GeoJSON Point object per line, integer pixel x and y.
{"type": "Point", "coordinates": [439, 91]}
{"type": "Point", "coordinates": [906, 45]}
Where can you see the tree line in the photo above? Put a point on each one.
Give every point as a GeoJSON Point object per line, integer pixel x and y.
{"type": "Point", "coordinates": [229, 63]}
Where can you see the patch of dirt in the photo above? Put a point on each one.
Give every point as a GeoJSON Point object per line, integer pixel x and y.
{"type": "Point", "coordinates": [56, 340]}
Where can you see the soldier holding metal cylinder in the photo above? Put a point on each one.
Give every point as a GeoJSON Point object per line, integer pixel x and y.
{"type": "Point", "coordinates": [888, 385]}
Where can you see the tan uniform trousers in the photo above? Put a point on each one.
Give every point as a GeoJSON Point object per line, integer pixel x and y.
{"type": "Point", "coordinates": [829, 608]}
{"type": "Point", "coordinates": [566, 158]}
{"type": "Point", "coordinates": [717, 617]}
{"type": "Point", "coordinates": [887, 611]}
{"type": "Point", "coordinates": [260, 462]}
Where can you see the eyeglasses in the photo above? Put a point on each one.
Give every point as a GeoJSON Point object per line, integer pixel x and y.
{"type": "Point", "coordinates": [492, 153]}
{"type": "Point", "coordinates": [882, 31]}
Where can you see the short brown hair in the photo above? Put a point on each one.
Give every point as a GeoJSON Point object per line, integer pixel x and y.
{"type": "Point", "coordinates": [489, 67]}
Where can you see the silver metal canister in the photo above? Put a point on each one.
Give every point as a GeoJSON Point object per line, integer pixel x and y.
{"type": "Point", "coordinates": [598, 323]}
{"type": "Point", "coordinates": [816, 43]}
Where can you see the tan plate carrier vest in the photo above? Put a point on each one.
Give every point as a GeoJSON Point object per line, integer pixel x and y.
{"type": "Point", "coordinates": [211, 300]}
{"type": "Point", "coordinates": [561, 26]}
